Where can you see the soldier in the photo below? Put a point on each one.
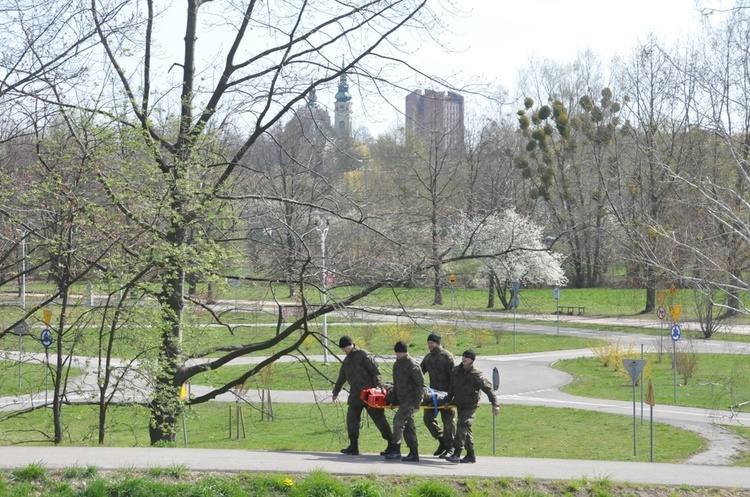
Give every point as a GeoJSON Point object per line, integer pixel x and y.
{"type": "Point", "coordinates": [466, 382]}
{"type": "Point", "coordinates": [439, 364]}
{"type": "Point", "coordinates": [361, 371]}
{"type": "Point", "coordinates": [408, 387]}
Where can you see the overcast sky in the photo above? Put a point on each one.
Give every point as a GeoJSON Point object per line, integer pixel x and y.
{"type": "Point", "coordinates": [497, 37]}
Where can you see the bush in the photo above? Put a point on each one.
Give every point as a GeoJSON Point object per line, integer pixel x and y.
{"type": "Point", "coordinates": [319, 484]}
{"type": "Point", "coordinates": [432, 489]}
{"type": "Point", "coordinates": [686, 364]}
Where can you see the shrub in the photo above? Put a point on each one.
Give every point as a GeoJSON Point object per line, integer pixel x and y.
{"type": "Point", "coordinates": [686, 364]}
{"type": "Point", "coordinates": [319, 484]}
{"type": "Point", "coordinates": [369, 332]}
{"type": "Point", "coordinates": [33, 472]}
{"type": "Point", "coordinates": [366, 489]}
{"type": "Point", "coordinates": [432, 489]}
{"type": "Point", "coordinates": [395, 333]}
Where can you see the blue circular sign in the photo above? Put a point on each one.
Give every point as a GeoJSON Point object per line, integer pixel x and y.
{"type": "Point", "coordinates": [676, 332]}
{"type": "Point", "coordinates": [46, 337]}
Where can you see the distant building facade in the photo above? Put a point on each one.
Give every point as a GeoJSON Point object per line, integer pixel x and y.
{"type": "Point", "coordinates": [437, 118]}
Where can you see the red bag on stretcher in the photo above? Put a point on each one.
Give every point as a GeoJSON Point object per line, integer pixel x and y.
{"type": "Point", "coordinates": [382, 397]}
{"type": "Point", "coordinates": [374, 397]}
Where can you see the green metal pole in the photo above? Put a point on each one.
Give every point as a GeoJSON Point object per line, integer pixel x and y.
{"type": "Point", "coordinates": [674, 369]}
{"type": "Point", "coordinates": [652, 433]}
{"type": "Point", "coordinates": [635, 451]}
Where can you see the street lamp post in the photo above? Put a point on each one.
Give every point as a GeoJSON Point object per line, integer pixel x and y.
{"type": "Point", "coordinates": [22, 290]}
{"type": "Point", "coordinates": [323, 231]}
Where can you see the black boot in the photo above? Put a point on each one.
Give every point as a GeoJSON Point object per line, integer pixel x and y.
{"type": "Point", "coordinates": [395, 452]}
{"type": "Point", "coordinates": [456, 457]}
{"type": "Point", "coordinates": [446, 454]}
{"type": "Point", "coordinates": [469, 457]}
{"type": "Point", "coordinates": [353, 449]}
{"type": "Point", "coordinates": [441, 448]}
{"type": "Point", "coordinates": [387, 450]}
{"type": "Point", "coordinates": [412, 456]}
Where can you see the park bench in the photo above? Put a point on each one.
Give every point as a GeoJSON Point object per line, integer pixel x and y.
{"type": "Point", "coordinates": [572, 309]}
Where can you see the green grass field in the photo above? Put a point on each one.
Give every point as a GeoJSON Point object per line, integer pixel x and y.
{"type": "Point", "coordinates": [521, 431]}
{"type": "Point", "coordinates": [719, 381]}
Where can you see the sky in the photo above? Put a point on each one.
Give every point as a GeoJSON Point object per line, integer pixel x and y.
{"type": "Point", "coordinates": [496, 38]}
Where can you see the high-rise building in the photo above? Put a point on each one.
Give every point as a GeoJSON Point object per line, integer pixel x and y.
{"type": "Point", "coordinates": [437, 118]}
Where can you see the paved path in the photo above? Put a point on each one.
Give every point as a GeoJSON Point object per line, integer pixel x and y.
{"type": "Point", "coordinates": [301, 462]}
{"type": "Point", "coordinates": [526, 379]}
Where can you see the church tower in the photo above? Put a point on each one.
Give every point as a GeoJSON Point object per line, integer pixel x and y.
{"type": "Point", "coordinates": [343, 110]}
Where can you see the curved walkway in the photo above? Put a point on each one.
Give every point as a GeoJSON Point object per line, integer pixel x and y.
{"type": "Point", "coordinates": [525, 379]}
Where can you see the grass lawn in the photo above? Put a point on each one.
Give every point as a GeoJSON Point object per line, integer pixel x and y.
{"type": "Point", "coordinates": [34, 378]}
{"type": "Point", "coordinates": [719, 380]}
{"type": "Point", "coordinates": [521, 431]}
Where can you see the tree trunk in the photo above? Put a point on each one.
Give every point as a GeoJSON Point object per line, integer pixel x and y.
{"type": "Point", "coordinates": [438, 287]}
{"type": "Point", "coordinates": [650, 299]}
{"type": "Point", "coordinates": [491, 295]}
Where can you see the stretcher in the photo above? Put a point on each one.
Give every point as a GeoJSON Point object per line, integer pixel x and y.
{"type": "Point", "coordinates": [383, 398]}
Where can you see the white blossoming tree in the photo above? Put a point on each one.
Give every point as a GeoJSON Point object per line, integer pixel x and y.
{"type": "Point", "coordinates": [511, 248]}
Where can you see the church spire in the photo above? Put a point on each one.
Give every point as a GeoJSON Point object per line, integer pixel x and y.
{"type": "Point", "coordinates": [343, 106]}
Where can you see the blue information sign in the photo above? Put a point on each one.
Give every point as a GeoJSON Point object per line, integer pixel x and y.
{"type": "Point", "coordinates": [676, 332]}
{"type": "Point", "coordinates": [46, 337]}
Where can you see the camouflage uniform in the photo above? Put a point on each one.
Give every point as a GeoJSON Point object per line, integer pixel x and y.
{"type": "Point", "coordinates": [464, 394]}
{"type": "Point", "coordinates": [439, 364]}
{"type": "Point", "coordinates": [408, 386]}
{"type": "Point", "coordinates": [361, 371]}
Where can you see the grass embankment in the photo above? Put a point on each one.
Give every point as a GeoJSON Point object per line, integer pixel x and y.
{"type": "Point", "coordinates": [178, 481]}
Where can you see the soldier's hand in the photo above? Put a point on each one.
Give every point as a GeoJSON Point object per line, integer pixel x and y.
{"type": "Point", "coordinates": [335, 399]}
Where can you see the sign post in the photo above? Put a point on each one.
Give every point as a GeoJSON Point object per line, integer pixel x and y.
{"type": "Point", "coordinates": [514, 287]}
{"type": "Point", "coordinates": [635, 369]}
{"type": "Point", "coordinates": [20, 329]}
{"type": "Point", "coordinates": [661, 313]}
{"type": "Point", "coordinates": [495, 385]}
{"type": "Point", "coordinates": [46, 339]}
{"type": "Point", "coordinates": [650, 402]}
{"type": "Point", "coordinates": [184, 396]}
{"type": "Point", "coordinates": [676, 333]}
{"type": "Point", "coordinates": [556, 295]}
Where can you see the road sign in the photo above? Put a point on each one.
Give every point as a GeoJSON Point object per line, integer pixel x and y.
{"type": "Point", "coordinates": [329, 278]}
{"type": "Point", "coordinates": [514, 287]}
{"type": "Point", "coordinates": [47, 316]}
{"type": "Point", "coordinates": [21, 329]}
{"type": "Point", "coordinates": [634, 367]}
{"type": "Point", "coordinates": [676, 332]}
{"type": "Point", "coordinates": [675, 311]}
{"type": "Point", "coordinates": [46, 337]}
{"type": "Point", "coordinates": [661, 313]}
{"type": "Point", "coordinates": [452, 279]}
{"type": "Point", "coordinates": [650, 394]}
{"type": "Point", "coordinates": [556, 294]}
{"type": "Point", "coordinates": [514, 302]}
